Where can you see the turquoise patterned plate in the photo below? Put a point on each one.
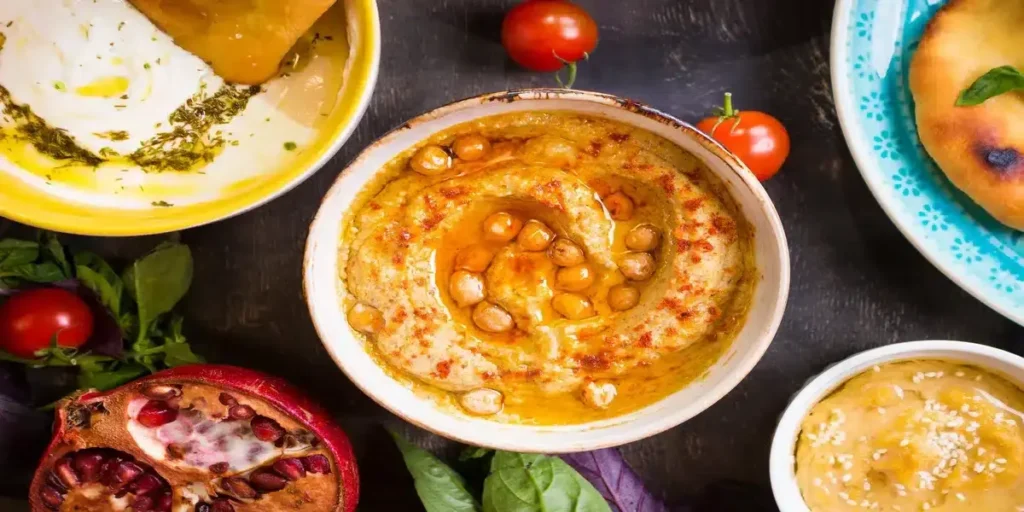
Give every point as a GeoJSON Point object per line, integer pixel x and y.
{"type": "Point", "coordinates": [872, 43]}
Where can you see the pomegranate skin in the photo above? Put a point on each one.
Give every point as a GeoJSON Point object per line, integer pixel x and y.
{"type": "Point", "coordinates": [272, 390]}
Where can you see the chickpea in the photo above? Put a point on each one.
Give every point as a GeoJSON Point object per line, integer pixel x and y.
{"type": "Point", "coordinates": [430, 160]}
{"type": "Point", "coordinates": [565, 253]}
{"type": "Point", "coordinates": [492, 318]}
{"type": "Point", "coordinates": [501, 227]}
{"type": "Point", "coordinates": [474, 258]}
{"type": "Point", "coordinates": [622, 297]}
{"type": "Point", "coordinates": [535, 236]}
{"type": "Point", "coordinates": [620, 206]}
{"type": "Point", "coordinates": [572, 306]}
{"type": "Point", "coordinates": [482, 401]}
{"type": "Point", "coordinates": [575, 278]}
{"type": "Point", "coordinates": [366, 319]}
{"type": "Point", "coordinates": [637, 266]}
{"type": "Point", "coordinates": [643, 237]}
{"type": "Point", "coordinates": [466, 288]}
{"type": "Point", "coordinates": [599, 396]}
{"type": "Point", "coordinates": [471, 147]}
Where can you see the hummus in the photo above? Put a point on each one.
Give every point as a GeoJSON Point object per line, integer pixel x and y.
{"type": "Point", "coordinates": [912, 436]}
{"type": "Point", "coordinates": [547, 267]}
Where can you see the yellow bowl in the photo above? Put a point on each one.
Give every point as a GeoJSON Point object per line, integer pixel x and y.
{"type": "Point", "coordinates": [26, 198]}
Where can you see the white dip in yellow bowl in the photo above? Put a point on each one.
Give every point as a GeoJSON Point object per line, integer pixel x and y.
{"type": "Point", "coordinates": [109, 128]}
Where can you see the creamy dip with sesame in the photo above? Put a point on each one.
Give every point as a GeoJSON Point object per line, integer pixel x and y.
{"type": "Point", "coordinates": [913, 436]}
{"type": "Point", "coordinates": [547, 267]}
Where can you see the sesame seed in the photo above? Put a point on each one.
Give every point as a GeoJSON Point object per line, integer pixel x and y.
{"type": "Point", "coordinates": [959, 374]}
{"type": "Point", "coordinates": [876, 368]}
{"type": "Point", "coordinates": [960, 496]}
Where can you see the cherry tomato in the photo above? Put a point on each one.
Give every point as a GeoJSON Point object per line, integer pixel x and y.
{"type": "Point", "coordinates": [30, 320]}
{"type": "Point", "coordinates": [758, 139]}
{"type": "Point", "coordinates": [544, 35]}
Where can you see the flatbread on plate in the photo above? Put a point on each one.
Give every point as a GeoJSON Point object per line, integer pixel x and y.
{"type": "Point", "coordinates": [244, 41]}
{"type": "Point", "coordinates": [981, 148]}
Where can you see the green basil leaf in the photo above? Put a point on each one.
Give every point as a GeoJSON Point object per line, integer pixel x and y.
{"type": "Point", "coordinates": [177, 354]}
{"type": "Point", "coordinates": [35, 272]}
{"type": "Point", "coordinates": [15, 253]}
{"type": "Point", "coordinates": [109, 379]}
{"type": "Point", "coordinates": [997, 81]}
{"type": "Point", "coordinates": [111, 293]}
{"type": "Point", "coordinates": [439, 487]}
{"type": "Point", "coordinates": [54, 252]}
{"type": "Point", "coordinates": [109, 296]}
{"type": "Point", "coordinates": [522, 482]}
{"type": "Point", "coordinates": [158, 281]}
{"type": "Point", "coordinates": [473, 452]}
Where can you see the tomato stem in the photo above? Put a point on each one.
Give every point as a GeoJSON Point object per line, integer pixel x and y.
{"type": "Point", "coordinates": [726, 112]}
{"type": "Point", "coordinates": [571, 66]}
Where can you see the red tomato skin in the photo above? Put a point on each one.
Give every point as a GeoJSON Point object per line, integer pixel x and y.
{"type": "Point", "coordinates": [29, 320]}
{"type": "Point", "coordinates": [759, 140]}
{"type": "Point", "coordinates": [536, 30]}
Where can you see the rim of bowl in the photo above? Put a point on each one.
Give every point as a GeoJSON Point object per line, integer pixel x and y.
{"type": "Point", "coordinates": [781, 460]}
{"type": "Point", "coordinates": [326, 230]}
{"type": "Point", "coordinates": [49, 212]}
{"type": "Point", "coordinates": [861, 152]}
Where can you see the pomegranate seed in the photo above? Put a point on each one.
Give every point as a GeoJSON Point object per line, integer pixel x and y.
{"type": "Point", "coordinates": [125, 473]}
{"type": "Point", "coordinates": [291, 469]}
{"type": "Point", "coordinates": [202, 507]}
{"type": "Point", "coordinates": [51, 478]}
{"type": "Point", "coordinates": [227, 399]}
{"type": "Point", "coordinates": [88, 465]}
{"type": "Point", "coordinates": [161, 391]}
{"type": "Point", "coordinates": [164, 503]}
{"type": "Point", "coordinates": [220, 467]}
{"type": "Point", "coordinates": [265, 480]}
{"type": "Point", "coordinates": [65, 473]}
{"type": "Point", "coordinates": [317, 464]}
{"type": "Point", "coordinates": [144, 484]}
{"type": "Point", "coordinates": [239, 487]}
{"type": "Point", "coordinates": [142, 504]}
{"type": "Point", "coordinates": [266, 429]}
{"type": "Point", "coordinates": [156, 413]}
{"type": "Point", "coordinates": [51, 497]}
{"type": "Point", "coordinates": [108, 472]}
{"type": "Point", "coordinates": [222, 506]}
{"type": "Point", "coordinates": [241, 412]}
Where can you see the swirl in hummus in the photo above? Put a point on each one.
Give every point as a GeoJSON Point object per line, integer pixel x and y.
{"type": "Point", "coordinates": [547, 267]}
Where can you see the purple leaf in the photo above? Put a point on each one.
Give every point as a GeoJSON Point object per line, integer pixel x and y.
{"type": "Point", "coordinates": [615, 480]}
{"type": "Point", "coordinates": [24, 431]}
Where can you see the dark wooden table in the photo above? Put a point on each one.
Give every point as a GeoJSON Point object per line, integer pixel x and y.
{"type": "Point", "coordinates": [857, 283]}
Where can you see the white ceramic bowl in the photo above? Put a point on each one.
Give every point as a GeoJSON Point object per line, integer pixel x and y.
{"type": "Point", "coordinates": [782, 464]}
{"type": "Point", "coordinates": [321, 281]}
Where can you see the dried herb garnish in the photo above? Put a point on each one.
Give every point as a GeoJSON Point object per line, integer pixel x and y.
{"type": "Point", "coordinates": [50, 141]}
{"type": "Point", "coordinates": [113, 135]}
{"type": "Point", "coordinates": [190, 141]}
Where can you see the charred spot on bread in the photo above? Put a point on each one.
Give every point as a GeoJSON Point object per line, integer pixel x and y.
{"type": "Point", "coordinates": [1000, 160]}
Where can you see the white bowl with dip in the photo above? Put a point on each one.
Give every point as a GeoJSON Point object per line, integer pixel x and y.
{"type": "Point", "coordinates": [782, 465]}
{"type": "Point", "coordinates": [102, 73]}
{"type": "Point", "coordinates": [322, 283]}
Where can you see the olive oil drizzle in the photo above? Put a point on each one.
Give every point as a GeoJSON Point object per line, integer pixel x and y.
{"type": "Point", "coordinates": [50, 141]}
{"type": "Point", "coordinates": [188, 143]}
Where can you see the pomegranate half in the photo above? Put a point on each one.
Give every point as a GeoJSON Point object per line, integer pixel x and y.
{"type": "Point", "coordinates": [203, 438]}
